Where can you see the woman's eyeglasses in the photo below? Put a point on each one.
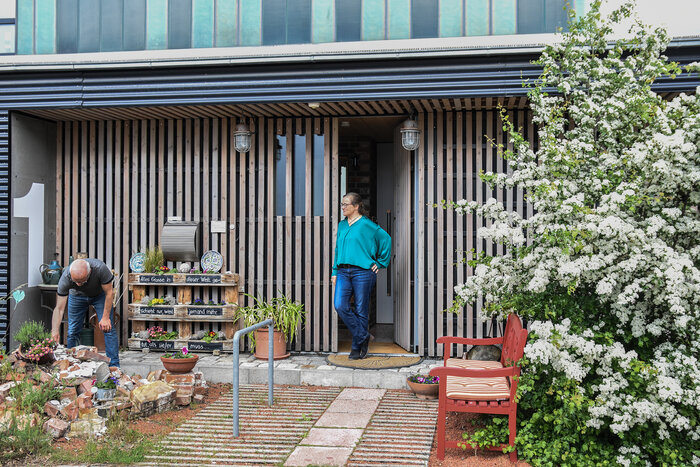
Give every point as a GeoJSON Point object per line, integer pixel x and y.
{"type": "Point", "coordinates": [344, 205]}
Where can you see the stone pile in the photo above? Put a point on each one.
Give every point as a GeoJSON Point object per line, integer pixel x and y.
{"type": "Point", "coordinates": [78, 412]}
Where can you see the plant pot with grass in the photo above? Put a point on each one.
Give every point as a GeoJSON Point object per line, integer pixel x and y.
{"type": "Point", "coordinates": [286, 315]}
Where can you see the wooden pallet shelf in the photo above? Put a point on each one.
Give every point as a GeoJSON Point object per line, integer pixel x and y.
{"type": "Point", "coordinates": [184, 313]}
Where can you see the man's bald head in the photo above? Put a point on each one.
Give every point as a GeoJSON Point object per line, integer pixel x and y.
{"type": "Point", "coordinates": [79, 271]}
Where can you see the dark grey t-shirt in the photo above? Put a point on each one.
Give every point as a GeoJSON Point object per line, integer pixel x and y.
{"type": "Point", "coordinates": [99, 274]}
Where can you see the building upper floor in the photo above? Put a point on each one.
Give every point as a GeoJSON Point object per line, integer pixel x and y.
{"type": "Point", "coordinates": [30, 27]}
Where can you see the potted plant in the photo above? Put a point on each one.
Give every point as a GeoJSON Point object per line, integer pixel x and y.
{"type": "Point", "coordinates": [154, 260]}
{"type": "Point", "coordinates": [286, 315]}
{"type": "Point", "coordinates": [35, 344]}
{"type": "Point", "coordinates": [181, 361]}
{"type": "Point", "coordinates": [424, 386]}
{"type": "Point", "coordinates": [106, 390]}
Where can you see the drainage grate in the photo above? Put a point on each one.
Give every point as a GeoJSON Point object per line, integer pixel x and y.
{"type": "Point", "coordinates": [268, 434]}
{"type": "Point", "coordinates": [400, 432]}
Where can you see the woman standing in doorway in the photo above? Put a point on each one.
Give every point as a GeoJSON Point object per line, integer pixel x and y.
{"type": "Point", "coordinates": [361, 248]}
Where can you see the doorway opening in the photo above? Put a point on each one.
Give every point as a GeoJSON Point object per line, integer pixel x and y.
{"type": "Point", "coordinates": [366, 148]}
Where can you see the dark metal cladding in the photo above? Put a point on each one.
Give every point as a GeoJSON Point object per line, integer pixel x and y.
{"type": "Point", "coordinates": [4, 226]}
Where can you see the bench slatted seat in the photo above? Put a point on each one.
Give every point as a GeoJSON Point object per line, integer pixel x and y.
{"type": "Point", "coordinates": [481, 386]}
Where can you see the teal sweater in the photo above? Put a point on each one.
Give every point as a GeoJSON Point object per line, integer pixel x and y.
{"type": "Point", "coordinates": [362, 244]}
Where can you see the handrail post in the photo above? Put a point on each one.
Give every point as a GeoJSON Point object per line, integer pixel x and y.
{"type": "Point", "coordinates": [236, 359]}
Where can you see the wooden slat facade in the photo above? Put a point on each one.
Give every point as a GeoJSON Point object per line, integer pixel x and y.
{"type": "Point", "coordinates": [118, 180]}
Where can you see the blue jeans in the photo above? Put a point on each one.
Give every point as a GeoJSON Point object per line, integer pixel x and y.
{"type": "Point", "coordinates": [360, 283]}
{"type": "Point", "coordinates": [77, 307]}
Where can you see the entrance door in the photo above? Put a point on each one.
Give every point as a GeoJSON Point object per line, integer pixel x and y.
{"type": "Point", "coordinates": [401, 244]}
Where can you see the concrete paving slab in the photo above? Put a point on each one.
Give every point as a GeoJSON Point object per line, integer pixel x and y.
{"type": "Point", "coordinates": [338, 437]}
{"type": "Point", "coordinates": [344, 420]}
{"type": "Point", "coordinates": [318, 455]}
{"type": "Point", "coordinates": [353, 406]}
{"type": "Point", "coordinates": [361, 394]}
{"type": "Point", "coordinates": [337, 378]}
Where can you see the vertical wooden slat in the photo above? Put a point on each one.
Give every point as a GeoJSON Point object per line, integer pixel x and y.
{"type": "Point", "coordinates": [169, 160]}
{"type": "Point", "coordinates": [251, 217]}
{"type": "Point", "coordinates": [289, 206]}
{"type": "Point", "coordinates": [214, 207]}
{"type": "Point", "coordinates": [68, 220]}
{"type": "Point", "coordinates": [335, 207]}
{"type": "Point", "coordinates": [152, 187]}
{"type": "Point", "coordinates": [449, 216]}
{"type": "Point", "coordinates": [532, 138]}
{"type": "Point", "coordinates": [420, 220]}
{"type": "Point", "coordinates": [109, 200]}
{"type": "Point", "coordinates": [133, 183]}
{"type": "Point", "coordinates": [91, 246]}
{"type": "Point", "coordinates": [233, 235]}
{"type": "Point", "coordinates": [126, 211]}
{"type": "Point", "coordinates": [479, 137]}
{"type": "Point", "coordinates": [161, 176]}
{"type": "Point", "coordinates": [59, 192]}
{"type": "Point", "coordinates": [143, 177]}
{"type": "Point", "coordinates": [271, 139]}
{"type": "Point", "coordinates": [224, 215]}
{"type": "Point", "coordinates": [116, 212]}
{"type": "Point", "coordinates": [469, 195]}
{"type": "Point", "coordinates": [308, 219]}
{"type": "Point", "coordinates": [81, 243]}
{"type": "Point", "coordinates": [260, 208]}
{"type": "Point", "coordinates": [204, 194]}
{"type": "Point", "coordinates": [327, 255]}
{"type": "Point", "coordinates": [242, 225]}
{"type": "Point", "coordinates": [178, 189]}
{"type": "Point", "coordinates": [319, 277]}
{"type": "Point", "coordinates": [430, 199]}
{"type": "Point", "coordinates": [298, 251]}
{"type": "Point", "coordinates": [459, 220]}
{"type": "Point", "coordinates": [440, 267]}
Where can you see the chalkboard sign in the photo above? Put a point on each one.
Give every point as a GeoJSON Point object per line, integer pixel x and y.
{"type": "Point", "coordinates": [164, 279]}
{"type": "Point", "coordinates": [156, 310]}
{"type": "Point", "coordinates": [205, 311]}
{"type": "Point", "coordinates": [205, 346]}
{"type": "Point", "coordinates": [158, 345]}
{"type": "Point", "coordinates": [203, 279]}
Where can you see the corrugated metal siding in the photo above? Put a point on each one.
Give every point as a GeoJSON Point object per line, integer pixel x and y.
{"type": "Point", "coordinates": [4, 223]}
{"type": "Point", "coordinates": [310, 82]}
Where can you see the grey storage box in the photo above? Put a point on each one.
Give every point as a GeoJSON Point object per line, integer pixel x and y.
{"type": "Point", "coordinates": [179, 240]}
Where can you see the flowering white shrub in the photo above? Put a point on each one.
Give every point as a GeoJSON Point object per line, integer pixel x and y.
{"type": "Point", "coordinates": [610, 276]}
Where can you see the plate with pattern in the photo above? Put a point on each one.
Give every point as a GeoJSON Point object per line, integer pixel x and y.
{"type": "Point", "coordinates": [136, 262]}
{"type": "Point", "coordinates": [212, 261]}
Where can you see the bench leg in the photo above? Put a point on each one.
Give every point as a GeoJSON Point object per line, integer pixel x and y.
{"type": "Point", "coordinates": [512, 427]}
{"type": "Point", "coordinates": [441, 421]}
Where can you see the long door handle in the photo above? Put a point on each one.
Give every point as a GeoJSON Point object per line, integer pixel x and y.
{"type": "Point", "coordinates": [388, 268]}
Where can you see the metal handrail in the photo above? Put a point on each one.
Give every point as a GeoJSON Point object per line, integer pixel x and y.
{"type": "Point", "coordinates": [270, 367]}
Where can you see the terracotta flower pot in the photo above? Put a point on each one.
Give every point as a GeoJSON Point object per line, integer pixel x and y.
{"type": "Point", "coordinates": [423, 390]}
{"type": "Point", "coordinates": [179, 365]}
{"type": "Point", "coordinates": [261, 345]}
{"type": "Point", "coordinates": [45, 360]}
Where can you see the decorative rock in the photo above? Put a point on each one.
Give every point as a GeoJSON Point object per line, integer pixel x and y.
{"type": "Point", "coordinates": [5, 388]}
{"type": "Point", "coordinates": [143, 335]}
{"type": "Point", "coordinates": [85, 387]}
{"type": "Point", "coordinates": [44, 377]}
{"type": "Point", "coordinates": [183, 378]}
{"type": "Point", "coordinates": [55, 427]}
{"type": "Point", "coordinates": [184, 268]}
{"type": "Point", "coordinates": [199, 398]}
{"type": "Point", "coordinates": [69, 393]}
{"type": "Point", "coordinates": [145, 350]}
{"type": "Point", "coordinates": [201, 390]}
{"type": "Point", "coordinates": [484, 352]}
{"type": "Point", "coordinates": [183, 389]}
{"type": "Point", "coordinates": [102, 372]}
{"type": "Point", "coordinates": [198, 335]}
{"type": "Point", "coordinates": [89, 426]}
{"type": "Point", "coordinates": [70, 411]}
{"type": "Point", "coordinates": [152, 398]}
{"type": "Point", "coordinates": [52, 408]}
{"type": "Point", "coordinates": [63, 364]}
{"type": "Point", "coordinates": [85, 355]}
{"type": "Point", "coordinates": [183, 400]}
{"type": "Point", "coordinates": [84, 401]}
{"type": "Point", "coordinates": [21, 421]}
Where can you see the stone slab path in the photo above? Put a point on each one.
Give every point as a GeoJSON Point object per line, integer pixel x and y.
{"type": "Point", "coordinates": [306, 426]}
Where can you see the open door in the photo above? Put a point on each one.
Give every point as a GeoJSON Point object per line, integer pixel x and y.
{"type": "Point", "coordinates": [401, 244]}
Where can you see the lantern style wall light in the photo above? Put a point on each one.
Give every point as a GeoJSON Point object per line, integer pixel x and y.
{"type": "Point", "coordinates": [242, 138]}
{"type": "Point", "coordinates": [410, 135]}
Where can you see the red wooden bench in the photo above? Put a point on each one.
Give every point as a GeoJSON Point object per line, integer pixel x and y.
{"type": "Point", "coordinates": [481, 386]}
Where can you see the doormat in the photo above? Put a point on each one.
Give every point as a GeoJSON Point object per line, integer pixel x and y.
{"type": "Point", "coordinates": [374, 362]}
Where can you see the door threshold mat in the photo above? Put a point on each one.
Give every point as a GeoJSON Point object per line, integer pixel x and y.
{"type": "Point", "coordinates": [374, 362]}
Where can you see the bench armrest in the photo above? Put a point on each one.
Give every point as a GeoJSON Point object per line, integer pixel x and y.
{"type": "Point", "coordinates": [444, 371]}
{"type": "Point", "coordinates": [449, 340]}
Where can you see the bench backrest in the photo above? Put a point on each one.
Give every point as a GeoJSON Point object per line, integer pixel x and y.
{"type": "Point", "coordinates": [513, 341]}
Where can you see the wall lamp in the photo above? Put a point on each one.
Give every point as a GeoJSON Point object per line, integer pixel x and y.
{"type": "Point", "coordinates": [242, 138]}
{"type": "Point", "coordinates": [410, 135]}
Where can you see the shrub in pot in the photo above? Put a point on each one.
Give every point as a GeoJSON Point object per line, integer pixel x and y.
{"type": "Point", "coordinates": [286, 315]}
{"type": "Point", "coordinates": [181, 361]}
{"type": "Point", "coordinates": [35, 344]}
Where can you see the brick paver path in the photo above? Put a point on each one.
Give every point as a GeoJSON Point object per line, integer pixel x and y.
{"type": "Point", "coordinates": [306, 426]}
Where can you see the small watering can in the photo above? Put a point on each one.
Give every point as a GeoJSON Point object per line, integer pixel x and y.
{"type": "Point", "coordinates": [51, 273]}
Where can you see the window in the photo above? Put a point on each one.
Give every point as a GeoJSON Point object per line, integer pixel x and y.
{"type": "Point", "coordinates": [286, 22]}
{"type": "Point", "coordinates": [541, 16]}
{"type": "Point", "coordinates": [300, 185]}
